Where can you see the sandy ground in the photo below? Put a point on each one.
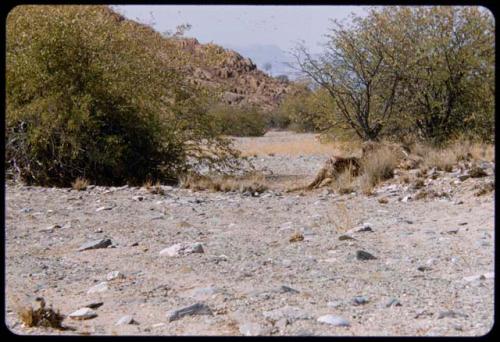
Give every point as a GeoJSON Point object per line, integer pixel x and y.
{"type": "Point", "coordinates": [435, 257]}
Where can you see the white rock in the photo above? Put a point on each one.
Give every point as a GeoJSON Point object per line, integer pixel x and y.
{"type": "Point", "coordinates": [334, 320]}
{"type": "Point", "coordinates": [126, 320]}
{"type": "Point", "coordinates": [101, 287]}
{"type": "Point", "coordinates": [253, 329]}
{"type": "Point", "coordinates": [182, 249]}
{"type": "Point", "coordinates": [115, 275]}
{"type": "Point", "coordinates": [172, 251]}
{"type": "Point", "coordinates": [103, 208]}
{"type": "Point", "coordinates": [83, 313]}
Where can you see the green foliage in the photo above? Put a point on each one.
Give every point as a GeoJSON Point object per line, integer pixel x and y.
{"type": "Point", "coordinates": [92, 95]}
{"type": "Point", "coordinates": [399, 71]}
{"type": "Point", "coordinates": [243, 120]}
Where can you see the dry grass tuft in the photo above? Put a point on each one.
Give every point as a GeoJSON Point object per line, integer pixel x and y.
{"type": "Point", "coordinates": [444, 159]}
{"type": "Point", "coordinates": [376, 167]}
{"type": "Point", "coordinates": [41, 317]}
{"type": "Point", "coordinates": [340, 218]}
{"type": "Point", "coordinates": [296, 237]}
{"type": "Point", "coordinates": [154, 188]}
{"type": "Point", "coordinates": [345, 182]}
{"type": "Point", "coordinates": [252, 183]}
{"type": "Point", "coordinates": [80, 184]}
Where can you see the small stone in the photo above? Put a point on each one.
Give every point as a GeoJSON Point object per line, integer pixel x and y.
{"type": "Point", "coordinates": [194, 248]}
{"type": "Point", "coordinates": [367, 227]}
{"type": "Point", "coordinates": [103, 208]}
{"type": "Point", "coordinates": [114, 275]}
{"type": "Point", "coordinates": [451, 314]}
{"type": "Point", "coordinates": [406, 198]}
{"type": "Point", "coordinates": [393, 302]}
{"type": "Point", "coordinates": [96, 244]}
{"type": "Point", "coordinates": [50, 228]}
{"type": "Point", "coordinates": [359, 300]}
{"type": "Point", "coordinates": [26, 210]}
{"type": "Point", "coordinates": [182, 249]}
{"type": "Point", "coordinates": [195, 309]}
{"type": "Point", "coordinates": [285, 289]}
{"type": "Point", "coordinates": [423, 268]}
{"type": "Point", "coordinates": [134, 244]}
{"type": "Point", "coordinates": [336, 321]}
{"type": "Point", "coordinates": [253, 329]}
{"type": "Point", "coordinates": [94, 305]}
{"type": "Point", "coordinates": [345, 237]}
{"type": "Point", "coordinates": [126, 320]}
{"type": "Point", "coordinates": [101, 287]}
{"type": "Point", "coordinates": [83, 313]}
{"type": "Point", "coordinates": [281, 324]}
{"type": "Point", "coordinates": [422, 312]}
{"type": "Point", "coordinates": [334, 304]}
{"type": "Point", "coordinates": [362, 255]}
{"type": "Point", "coordinates": [138, 198]}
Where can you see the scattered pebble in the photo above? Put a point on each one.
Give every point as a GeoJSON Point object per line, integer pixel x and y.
{"type": "Point", "coordinates": [182, 249]}
{"type": "Point", "coordinates": [253, 329]}
{"type": "Point", "coordinates": [285, 289]}
{"type": "Point", "coordinates": [83, 313]}
{"type": "Point", "coordinates": [393, 302]}
{"type": "Point", "coordinates": [345, 237]}
{"type": "Point", "coordinates": [96, 244]}
{"type": "Point", "coordinates": [126, 320]}
{"type": "Point", "coordinates": [336, 321]}
{"type": "Point", "coordinates": [103, 208]}
{"type": "Point", "coordinates": [101, 287]}
{"type": "Point", "coordinates": [195, 309]}
{"type": "Point", "coordinates": [114, 275]}
{"type": "Point", "coordinates": [360, 300]}
{"type": "Point", "coordinates": [451, 314]}
{"type": "Point", "coordinates": [94, 305]}
{"type": "Point", "coordinates": [362, 255]}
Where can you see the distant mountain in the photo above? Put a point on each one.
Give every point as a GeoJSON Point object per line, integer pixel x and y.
{"type": "Point", "coordinates": [263, 54]}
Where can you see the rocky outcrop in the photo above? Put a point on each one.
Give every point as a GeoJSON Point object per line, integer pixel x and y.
{"type": "Point", "coordinates": [242, 82]}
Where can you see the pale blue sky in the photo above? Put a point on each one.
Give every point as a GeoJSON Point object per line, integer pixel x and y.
{"type": "Point", "coordinates": [282, 26]}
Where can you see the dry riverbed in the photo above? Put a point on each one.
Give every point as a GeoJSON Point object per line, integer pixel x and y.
{"type": "Point", "coordinates": [273, 263]}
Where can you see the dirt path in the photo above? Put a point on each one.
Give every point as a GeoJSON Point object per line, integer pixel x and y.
{"type": "Point", "coordinates": [424, 249]}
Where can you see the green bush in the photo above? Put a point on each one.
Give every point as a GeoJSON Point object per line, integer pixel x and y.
{"type": "Point", "coordinates": [92, 95]}
{"type": "Point", "coordinates": [240, 121]}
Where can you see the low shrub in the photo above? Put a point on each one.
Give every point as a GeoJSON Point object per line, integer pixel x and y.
{"type": "Point", "coordinates": [90, 94]}
{"type": "Point", "coordinates": [240, 121]}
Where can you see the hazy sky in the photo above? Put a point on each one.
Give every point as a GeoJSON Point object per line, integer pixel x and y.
{"type": "Point", "coordinates": [242, 25]}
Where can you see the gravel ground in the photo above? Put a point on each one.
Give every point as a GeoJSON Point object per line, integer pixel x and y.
{"type": "Point", "coordinates": [433, 272]}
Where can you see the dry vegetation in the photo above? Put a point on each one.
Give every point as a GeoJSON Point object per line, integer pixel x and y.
{"type": "Point", "coordinates": [80, 184]}
{"type": "Point", "coordinates": [40, 316]}
{"type": "Point", "coordinates": [305, 144]}
{"type": "Point", "coordinates": [252, 183]}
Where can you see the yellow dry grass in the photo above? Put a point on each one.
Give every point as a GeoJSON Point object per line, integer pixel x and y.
{"type": "Point", "coordinates": [254, 182]}
{"type": "Point", "coordinates": [80, 184]}
{"type": "Point", "coordinates": [296, 144]}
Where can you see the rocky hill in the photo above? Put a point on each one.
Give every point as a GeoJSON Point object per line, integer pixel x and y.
{"type": "Point", "coordinates": [238, 77]}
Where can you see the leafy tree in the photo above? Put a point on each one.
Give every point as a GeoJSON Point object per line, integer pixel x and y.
{"type": "Point", "coordinates": [90, 94]}
{"type": "Point", "coordinates": [401, 70]}
{"type": "Point", "coordinates": [357, 74]}
{"type": "Point", "coordinates": [450, 84]}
